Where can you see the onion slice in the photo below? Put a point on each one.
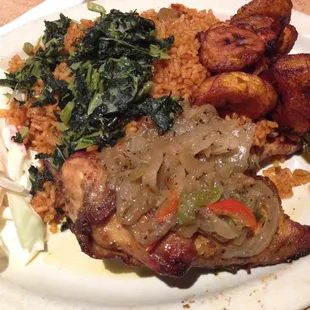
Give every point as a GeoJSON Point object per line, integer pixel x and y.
{"type": "Point", "coordinates": [10, 185]}
{"type": "Point", "coordinates": [211, 223]}
{"type": "Point", "coordinates": [264, 234]}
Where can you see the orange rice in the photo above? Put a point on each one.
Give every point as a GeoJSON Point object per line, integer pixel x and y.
{"type": "Point", "coordinates": [285, 180]}
{"type": "Point", "coordinates": [75, 33]}
{"type": "Point", "coordinates": [182, 73]}
{"type": "Point", "coordinates": [15, 63]}
{"type": "Point", "coordinates": [43, 202]}
{"type": "Point", "coordinates": [63, 72]}
{"type": "Point", "coordinates": [42, 123]}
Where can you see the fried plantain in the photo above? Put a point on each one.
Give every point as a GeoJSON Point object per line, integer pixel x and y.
{"type": "Point", "coordinates": [265, 27]}
{"type": "Point", "coordinates": [293, 69]}
{"type": "Point", "coordinates": [292, 77]}
{"type": "Point", "coordinates": [261, 67]}
{"type": "Point", "coordinates": [227, 48]}
{"type": "Point", "coordinates": [287, 40]}
{"type": "Point", "coordinates": [293, 113]}
{"type": "Point", "coordinates": [243, 93]}
{"type": "Point", "coordinates": [279, 10]}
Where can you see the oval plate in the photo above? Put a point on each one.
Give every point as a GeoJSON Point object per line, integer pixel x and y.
{"type": "Point", "coordinates": [64, 278]}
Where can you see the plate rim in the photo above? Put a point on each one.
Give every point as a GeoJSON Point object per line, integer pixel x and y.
{"type": "Point", "coordinates": [9, 291]}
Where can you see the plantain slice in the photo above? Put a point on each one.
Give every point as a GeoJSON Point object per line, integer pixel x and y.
{"type": "Point", "coordinates": [227, 48]}
{"type": "Point", "coordinates": [279, 10]}
{"type": "Point", "coordinates": [292, 77]}
{"type": "Point", "coordinates": [243, 93]}
{"type": "Point", "coordinates": [293, 70]}
{"type": "Point", "coordinates": [267, 28]}
{"type": "Point", "coordinates": [287, 40]}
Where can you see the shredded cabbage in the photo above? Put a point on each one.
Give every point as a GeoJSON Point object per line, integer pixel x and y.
{"type": "Point", "coordinates": [29, 226]}
{"type": "Point", "coordinates": [10, 185]}
{"type": "Point", "coordinates": [23, 232]}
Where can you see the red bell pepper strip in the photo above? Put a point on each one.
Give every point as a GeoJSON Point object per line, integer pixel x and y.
{"type": "Point", "coordinates": [236, 210]}
{"type": "Point", "coordinates": [169, 206]}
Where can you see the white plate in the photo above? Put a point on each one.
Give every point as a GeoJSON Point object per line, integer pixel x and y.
{"type": "Point", "coordinates": [64, 278]}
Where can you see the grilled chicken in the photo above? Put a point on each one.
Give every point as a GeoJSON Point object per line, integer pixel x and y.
{"type": "Point", "coordinates": [91, 206]}
{"type": "Point", "coordinates": [291, 241]}
{"type": "Point", "coordinates": [278, 147]}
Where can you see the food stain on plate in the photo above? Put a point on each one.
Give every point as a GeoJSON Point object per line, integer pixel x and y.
{"type": "Point", "coordinates": [270, 277]}
{"type": "Point", "coordinates": [298, 206]}
{"type": "Point", "coordinates": [64, 253]}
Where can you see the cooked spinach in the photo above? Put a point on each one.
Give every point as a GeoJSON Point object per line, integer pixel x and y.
{"type": "Point", "coordinates": [111, 72]}
{"type": "Point", "coordinates": [112, 66]}
{"type": "Point", "coordinates": [59, 156]}
{"type": "Point", "coordinates": [55, 30]}
{"type": "Point", "coordinates": [162, 111]}
{"type": "Point", "coordinates": [37, 178]}
{"type": "Point", "coordinates": [52, 86]}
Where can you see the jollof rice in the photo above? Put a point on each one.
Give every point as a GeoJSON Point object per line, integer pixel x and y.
{"type": "Point", "coordinates": [182, 73]}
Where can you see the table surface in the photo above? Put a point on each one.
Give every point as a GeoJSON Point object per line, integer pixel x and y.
{"type": "Point", "coordinates": [11, 9]}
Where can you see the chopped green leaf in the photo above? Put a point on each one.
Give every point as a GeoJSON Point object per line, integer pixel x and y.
{"type": "Point", "coordinates": [65, 114]}
{"type": "Point", "coordinates": [28, 48]}
{"type": "Point", "coordinates": [59, 156]}
{"type": "Point", "coordinates": [55, 30]}
{"type": "Point", "coordinates": [158, 53]}
{"type": "Point", "coordinates": [63, 127]}
{"type": "Point", "coordinates": [162, 111]}
{"type": "Point", "coordinates": [64, 226]}
{"type": "Point", "coordinates": [87, 141]}
{"type": "Point", "coordinates": [21, 135]}
{"type": "Point", "coordinates": [96, 8]}
{"type": "Point", "coordinates": [42, 156]}
{"type": "Point", "coordinates": [38, 178]}
{"type": "Point", "coordinates": [94, 103]}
